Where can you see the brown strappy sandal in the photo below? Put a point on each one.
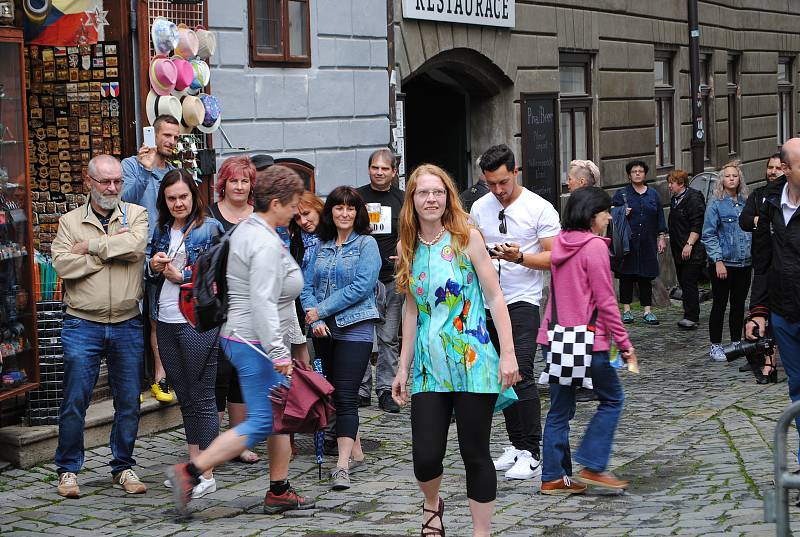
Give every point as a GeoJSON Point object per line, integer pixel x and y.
{"type": "Point", "coordinates": [427, 530]}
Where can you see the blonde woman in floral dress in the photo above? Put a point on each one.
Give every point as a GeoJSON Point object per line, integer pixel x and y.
{"type": "Point", "coordinates": [445, 270]}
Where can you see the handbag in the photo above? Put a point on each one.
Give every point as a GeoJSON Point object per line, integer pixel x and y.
{"type": "Point", "coordinates": [569, 360]}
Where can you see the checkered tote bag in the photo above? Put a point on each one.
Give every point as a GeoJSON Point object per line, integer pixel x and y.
{"type": "Point", "coordinates": [570, 358]}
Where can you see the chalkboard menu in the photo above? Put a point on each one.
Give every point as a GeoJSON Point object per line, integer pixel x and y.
{"type": "Point", "coordinates": [539, 115]}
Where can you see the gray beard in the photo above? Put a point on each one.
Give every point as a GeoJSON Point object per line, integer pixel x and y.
{"type": "Point", "coordinates": [107, 203]}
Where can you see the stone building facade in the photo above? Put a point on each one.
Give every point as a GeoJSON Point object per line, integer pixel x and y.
{"type": "Point", "coordinates": [620, 72]}
{"type": "Point", "coordinates": [329, 112]}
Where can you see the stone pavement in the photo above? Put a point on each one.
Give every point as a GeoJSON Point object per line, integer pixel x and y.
{"type": "Point", "coordinates": [695, 440]}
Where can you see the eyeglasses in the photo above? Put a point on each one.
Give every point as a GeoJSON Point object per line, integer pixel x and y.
{"type": "Point", "coordinates": [107, 182]}
{"type": "Point", "coordinates": [438, 193]}
{"type": "Point", "coordinates": [503, 225]}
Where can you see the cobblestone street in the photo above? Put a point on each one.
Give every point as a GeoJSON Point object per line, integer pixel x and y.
{"type": "Point", "coordinates": [695, 440]}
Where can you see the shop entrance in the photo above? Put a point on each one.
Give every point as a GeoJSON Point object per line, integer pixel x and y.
{"type": "Point", "coordinates": [437, 126]}
{"type": "Point", "coordinates": [452, 105]}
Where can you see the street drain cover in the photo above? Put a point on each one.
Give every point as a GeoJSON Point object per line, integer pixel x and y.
{"type": "Point", "coordinates": [305, 446]}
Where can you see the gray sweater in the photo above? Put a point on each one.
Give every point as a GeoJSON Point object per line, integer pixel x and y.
{"type": "Point", "coordinates": [263, 282]}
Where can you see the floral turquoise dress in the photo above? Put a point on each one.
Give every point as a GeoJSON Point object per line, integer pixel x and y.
{"type": "Point", "coordinates": [453, 351]}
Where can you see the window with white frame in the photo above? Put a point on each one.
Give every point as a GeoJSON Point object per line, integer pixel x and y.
{"type": "Point", "coordinates": [575, 101]}
{"type": "Point", "coordinates": [733, 104]}
{"type": "Point", "coordinates": [664, 101]}
{"type": "Point", "coordinates": [785, 92]}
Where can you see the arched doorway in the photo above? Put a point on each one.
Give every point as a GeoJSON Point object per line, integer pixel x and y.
{"type": "Point", "coordinates": [449, 109]}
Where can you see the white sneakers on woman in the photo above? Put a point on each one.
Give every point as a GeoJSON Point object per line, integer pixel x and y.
{"type": "Point", "coordinates": [206, 486]}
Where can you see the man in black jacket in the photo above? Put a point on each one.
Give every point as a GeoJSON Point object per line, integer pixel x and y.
{"type": "Point", "coordinates": [685, 226]}
{"type": "Point", "coordinates": [776, 255]}
{"type": "Point", "coordinates": [749, 217]}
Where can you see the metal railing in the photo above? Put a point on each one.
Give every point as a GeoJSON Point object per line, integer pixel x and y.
{"type": "Point", "coordinates": [776, 502]}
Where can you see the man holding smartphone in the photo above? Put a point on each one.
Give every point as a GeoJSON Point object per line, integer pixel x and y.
{"type": "Point", "coordinates": [142, 175]}
{"type": "Point", "coordinates": [517, 224]}
{"type": "Point", "coordinates": [144, 171]}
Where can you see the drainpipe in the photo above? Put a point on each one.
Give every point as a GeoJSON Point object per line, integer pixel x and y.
{"type": "Point", "coordinates": [695, 97]}
{"type": "Point", "coordinates": [137, 106]}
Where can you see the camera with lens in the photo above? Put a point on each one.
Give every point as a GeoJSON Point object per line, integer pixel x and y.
{"type": "Point", "coordinates": [760, 346]}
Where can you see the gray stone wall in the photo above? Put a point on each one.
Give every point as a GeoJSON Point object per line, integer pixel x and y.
{"type": "Point", "coordinates": [623, 37]}
{"type": "Point", "coordinates": [331, 115]}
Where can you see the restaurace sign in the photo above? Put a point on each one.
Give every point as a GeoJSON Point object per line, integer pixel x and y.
{"type": "Point", "coordinates": [482, 12]}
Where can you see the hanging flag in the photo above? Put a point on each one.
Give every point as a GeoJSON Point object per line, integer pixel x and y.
{"type": "Point", "coordinates": [65, 23]}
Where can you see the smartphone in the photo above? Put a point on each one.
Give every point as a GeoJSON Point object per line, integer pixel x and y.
{"type": "Point", "coordinates": [149, 136]}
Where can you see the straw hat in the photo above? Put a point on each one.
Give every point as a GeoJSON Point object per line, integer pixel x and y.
{"type": "Point", "coordinates": [194, 113]}
{"type": "Point", "coordinates": [213, 115]}
{"type": "Point", "coordinates": [158, 105]}
{"type": "Point", "coordinates": [202, 75]}
{"type": "Point", "coordinates": [187, 43]}
{"type": "Point", "coordinates": [185, 74]}
{"type": "Point", "coordinates": [164, 34]}
{"type": "Point", "coordinates": [163, 75]}
{"type": "Point", "coordinates": [208, 43]}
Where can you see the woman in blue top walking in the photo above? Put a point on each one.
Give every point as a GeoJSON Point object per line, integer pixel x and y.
{"type": "Point", "coordinates": [444, 269]}
{"type": "Point", "coordinates": [728, 249]}
{"type": "Point", "coordinates": [339, 300]}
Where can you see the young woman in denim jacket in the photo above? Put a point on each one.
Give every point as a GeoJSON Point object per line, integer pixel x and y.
{"type": "Point", "coordinates": [189, 356]}
{"type": "Point", "coordinates": [339, 300]}
{"type": "Point", "coordinates": [728, 249]}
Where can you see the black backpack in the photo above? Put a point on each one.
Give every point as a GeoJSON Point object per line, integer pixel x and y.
{"type": "Point", "coordinates": [210, 284]}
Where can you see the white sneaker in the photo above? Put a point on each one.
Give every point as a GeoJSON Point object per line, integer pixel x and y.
{"type": "Point", "coordinates": [507, 459]}
{"type": "Point", "coordinates": [526, 467]}
{"type": "Point", "coordinates": [206, 486]}
{"type": "Point", "coordinates": [716, 353]}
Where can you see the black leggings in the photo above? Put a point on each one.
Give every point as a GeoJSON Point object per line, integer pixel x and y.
{"type": "Point", "coordinates": [645, 285]}
{"type": "Point", "coordinates": [344, 363]}
{"type": "Point", "coordinates": [735, 286]}
{"type": "Point", "coordinates": [430, 422]}
{"type": "Point", "coordinates": [189, 358]}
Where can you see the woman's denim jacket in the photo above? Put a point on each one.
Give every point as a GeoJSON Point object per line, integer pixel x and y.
{"type": "Point", "coordinates": [723, 238]}
{"type": "Point", "coordinates": [340, 280]}
{"type": "Point", "coordinates": [197, 241]}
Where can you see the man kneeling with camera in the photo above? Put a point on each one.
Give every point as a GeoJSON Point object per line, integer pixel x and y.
{"type": "Point", "coordinates": [776, 259]}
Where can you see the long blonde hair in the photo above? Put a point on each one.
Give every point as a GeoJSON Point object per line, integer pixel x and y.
{"type": "Point", "coordinates": [455, 220]}
{"type": "Point", "coordinates": [719, 188]}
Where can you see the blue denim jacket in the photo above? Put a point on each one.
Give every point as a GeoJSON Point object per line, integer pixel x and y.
{"type": "Point", "coordinates": [340, 280]}
{"type": "Point", "coordinates": [723, 238]}
{"type": "Point", "coordinates": [141, 187]}
{"type": "Point", "coordinates": [197, 241]}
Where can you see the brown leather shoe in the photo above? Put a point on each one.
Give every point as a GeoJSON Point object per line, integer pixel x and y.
{"type": "Point", "coordinates": [68, 485]}
{"type": "Point", "coordinates": [128, 481]}
{"type": "Point", "coordinates": [601, 479]}
{"type": "Point", "coordinates": [562, 487]}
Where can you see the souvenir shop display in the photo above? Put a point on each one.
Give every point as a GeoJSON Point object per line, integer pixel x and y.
{"type": "Point", "coordinates": [183, 76]}
{"type": "Point", "coordinates": [19, 369]}
{"type": "Point", "coordinates": [74, 113]}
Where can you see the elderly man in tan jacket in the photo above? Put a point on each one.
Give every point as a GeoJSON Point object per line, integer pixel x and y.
{"type": "Point", "coordinates": [99, 253]}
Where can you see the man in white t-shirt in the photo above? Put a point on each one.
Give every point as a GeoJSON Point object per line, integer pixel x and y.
{"type": "Point", "coordinates": [517, 224]}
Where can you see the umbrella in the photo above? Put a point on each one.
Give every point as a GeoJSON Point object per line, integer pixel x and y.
{"type": "Point", "coordinates": [302, 404]}
{"type": "Point", "coordinates": [319, 436]}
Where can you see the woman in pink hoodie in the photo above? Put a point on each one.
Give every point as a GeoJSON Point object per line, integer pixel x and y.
{"type": "Point", "coordinates": [581, 274]}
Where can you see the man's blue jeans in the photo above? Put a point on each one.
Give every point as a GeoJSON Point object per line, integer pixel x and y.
{"type": "Point", "coordinates": [595, 448]}
{"type": "Point", "coordinates": [85, 343]}
{"type": "Point", "coordinates": [787, 336]}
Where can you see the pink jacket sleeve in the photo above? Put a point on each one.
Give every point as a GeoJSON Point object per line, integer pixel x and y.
{"type": "Point", "coordinates": [599, 271]}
